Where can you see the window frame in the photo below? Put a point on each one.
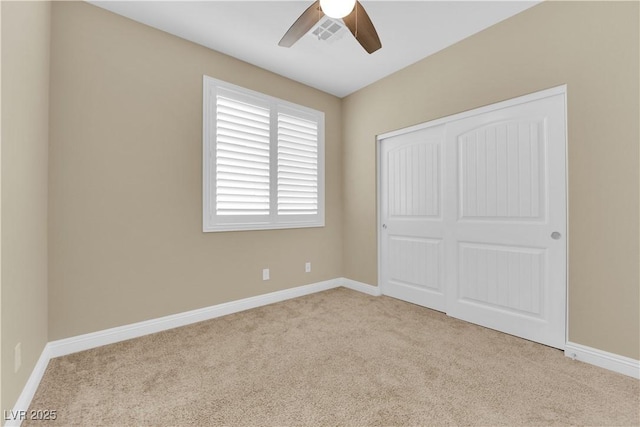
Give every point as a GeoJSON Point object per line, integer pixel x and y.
{"type": "Point", "coordinates": [211, 222]}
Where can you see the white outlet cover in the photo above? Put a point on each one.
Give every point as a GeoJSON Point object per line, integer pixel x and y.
{"type": "Point", "coordinates": [265, 274]}
{"type": "Point", "coordinates": [307, 267]}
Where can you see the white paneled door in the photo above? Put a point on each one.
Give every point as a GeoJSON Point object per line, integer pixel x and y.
{"type": "Point", "coordinates": [473, 216]}
{"type": "Point", "coordinates": [413, 222]}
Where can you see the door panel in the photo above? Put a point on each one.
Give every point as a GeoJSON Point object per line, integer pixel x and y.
{"type": "Point", "coordinates": [501, 171]}
{"type": "Point", "coordinates": [412, 251]}
{"type": "Point", "coordinates": [508, 170]}
{"type": "Point", "coordinates": [502, 277]}
{"type": "Point", "coordinates": [415, 262]}
{"type": "Point", "coordinates": [413, 178]}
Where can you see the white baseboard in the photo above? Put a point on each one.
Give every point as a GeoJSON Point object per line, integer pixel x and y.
{"type": "Point", "coordinates": [29, 390]}
{"type": "Point", "coordinates": [121, 333]}
{"type": "Point", "coordinates": [360, 287]}
{"type": "Point", "coordinates": [613, 362]}
{"type": "Point", "coordinates": [139, 329]}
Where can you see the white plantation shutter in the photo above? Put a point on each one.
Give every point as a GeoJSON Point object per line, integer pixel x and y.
{"type": "Point", "coordinates": [263, 164]}
{"type": "Point", "coordinates": [297, 166]}
{"type": "Point", "coordinates": [242, 158]}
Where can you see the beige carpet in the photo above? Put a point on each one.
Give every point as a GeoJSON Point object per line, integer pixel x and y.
{"type": "Point", "coordinates": [333, 358]}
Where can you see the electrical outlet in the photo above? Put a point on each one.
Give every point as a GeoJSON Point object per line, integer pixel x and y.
{"type": "Point", "coordinates": [307, 267]}
{"type": "Point", "coordinates": [265, 274]}
{"type": "Point", "coordinates": [17, 357]}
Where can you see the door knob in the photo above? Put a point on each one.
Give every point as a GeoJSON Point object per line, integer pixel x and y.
{"type": "Point", "coordinates": [384, 226]}
{"type": "Point", "coordinates": [556, 235]}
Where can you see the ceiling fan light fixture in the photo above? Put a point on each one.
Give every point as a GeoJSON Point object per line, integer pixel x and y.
{"type": "Point", "coordinates": [352, 14]}
{"type": "Point", "coordinates": [337, 9]}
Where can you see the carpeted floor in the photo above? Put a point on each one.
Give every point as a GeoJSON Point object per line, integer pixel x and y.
{"type": "Point", "coordinates": [333, 358]}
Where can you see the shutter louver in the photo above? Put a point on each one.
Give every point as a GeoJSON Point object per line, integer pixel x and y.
{"type": "Point", "coordinates": [242, 158]}
{"type": "Point", "coordinates": [297, 166]}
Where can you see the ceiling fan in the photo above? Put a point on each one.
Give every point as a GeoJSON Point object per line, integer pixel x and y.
{"type": "Point", "coordinates": [350, 11]}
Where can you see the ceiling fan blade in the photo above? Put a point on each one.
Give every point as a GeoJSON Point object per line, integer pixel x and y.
{"type": "Point", "coordinates": [362, 28]}
{"type": "Point", "coordinates": [303, 24]}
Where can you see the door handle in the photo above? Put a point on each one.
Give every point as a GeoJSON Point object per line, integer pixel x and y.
{"type": "Point", "coordinates": [556, 235]}
{"type": "Point", "coordinates": [384, 226]}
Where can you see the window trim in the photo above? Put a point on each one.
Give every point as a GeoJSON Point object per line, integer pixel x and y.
{"type": "Point", "coordinates": [220, 223]}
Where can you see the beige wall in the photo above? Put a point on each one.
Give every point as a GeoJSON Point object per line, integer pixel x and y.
{"type": "Point", "coordinates": [593, 48]}
{"type": "Point", "coordinates": [25, 129]}
{"type": "Point", "coordinates": [125, 212]}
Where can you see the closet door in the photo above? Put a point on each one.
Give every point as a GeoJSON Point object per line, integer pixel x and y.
{"type": "Point", "coordinates": [506, 208]}
{"type": "Point", "coordinates": [412, 248]}
{"type": "Point", "coordinates": [473, 216]}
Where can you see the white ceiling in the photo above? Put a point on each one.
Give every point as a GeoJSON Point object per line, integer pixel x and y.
{"type": "Point", "coordinates": [250, 31]}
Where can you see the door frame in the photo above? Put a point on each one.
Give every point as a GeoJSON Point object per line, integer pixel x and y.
{"type": "Point", "coordinates": [545, 93]}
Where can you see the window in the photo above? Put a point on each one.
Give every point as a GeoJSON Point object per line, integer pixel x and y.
{"type": "Point", "coordinates": [263, 164]}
